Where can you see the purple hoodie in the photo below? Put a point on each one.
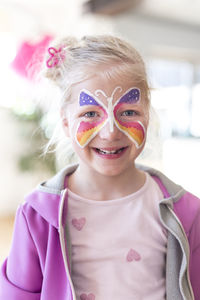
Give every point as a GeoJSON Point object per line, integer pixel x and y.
{"type": "Point", "coordinates": [39, 263]}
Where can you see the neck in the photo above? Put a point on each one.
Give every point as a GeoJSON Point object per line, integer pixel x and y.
{"type": "Point", "coordinates": [96, 186]}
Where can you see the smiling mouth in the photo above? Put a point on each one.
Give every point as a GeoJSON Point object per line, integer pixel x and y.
{"type": "Point", "coordinates": [110, 152]}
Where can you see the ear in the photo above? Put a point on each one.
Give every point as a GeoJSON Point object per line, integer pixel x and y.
{"type": "Point", "coordinates": [65, 123]}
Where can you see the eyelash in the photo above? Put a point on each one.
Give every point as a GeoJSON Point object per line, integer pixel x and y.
{"type": "Point", "coordinates": [90, 112]}
{"type": "Point", "coordinates": [93, 114]}
{"type": "Point", "coordinates": [129, 110]}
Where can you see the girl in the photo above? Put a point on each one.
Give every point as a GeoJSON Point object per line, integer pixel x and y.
{"type": "Point", "coordinates": [104, 228]}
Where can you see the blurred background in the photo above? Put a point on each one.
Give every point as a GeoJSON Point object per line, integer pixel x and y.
{"type": "Point", "coordinates": [167, 33]}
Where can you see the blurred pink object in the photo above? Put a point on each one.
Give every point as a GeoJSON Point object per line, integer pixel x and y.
{"type": "Point", "coordinates": [30, 56]}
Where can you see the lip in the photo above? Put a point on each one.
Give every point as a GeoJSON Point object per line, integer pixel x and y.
{"type": "Point", "coordinates": [111, 156]}
{"type": "Point", "coordinates": [110, 148]}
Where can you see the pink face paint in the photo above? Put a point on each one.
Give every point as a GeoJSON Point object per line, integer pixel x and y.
{"type": "Point", "coordinates": [134, 130]}
{"type": "Point", "coordinates": [86, 131]}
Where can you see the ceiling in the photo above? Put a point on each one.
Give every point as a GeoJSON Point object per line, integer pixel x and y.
{"type": "Point", "coordinates": [184, 11]}
{"type": "Point", "coordinates": [173, 23]}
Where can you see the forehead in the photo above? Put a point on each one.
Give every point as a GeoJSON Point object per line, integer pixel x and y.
{"type": "Point", "coordinates": [109, 88]}
{"type": "Point", "coordinates": [131, 96]}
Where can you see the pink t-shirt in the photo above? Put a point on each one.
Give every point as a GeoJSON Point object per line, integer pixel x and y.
{"type": "Point", "coordinates": [118, 246]}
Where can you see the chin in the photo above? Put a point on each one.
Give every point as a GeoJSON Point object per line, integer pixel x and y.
{"type": "Point", "coordinates": [110, 172]}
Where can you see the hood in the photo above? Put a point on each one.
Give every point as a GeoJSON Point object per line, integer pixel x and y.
{"type": "Point", "coordinates": [46, 198]}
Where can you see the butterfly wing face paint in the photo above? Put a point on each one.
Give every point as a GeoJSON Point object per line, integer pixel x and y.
{"type": "Point", "coordinates": [131, 96]}
{"type": "Point", "coordinates": [87, 130]}
{"type": "Point", "coordinates": [134, 130]}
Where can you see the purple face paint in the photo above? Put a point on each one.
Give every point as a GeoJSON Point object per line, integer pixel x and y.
{"type": "Point", "coordinates": [130, 97]}
{"type": "Point", "coordinates": [86, 99]}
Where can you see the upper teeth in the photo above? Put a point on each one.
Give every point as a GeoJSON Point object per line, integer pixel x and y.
{"type": "Point", "coordinates": [109, 152]}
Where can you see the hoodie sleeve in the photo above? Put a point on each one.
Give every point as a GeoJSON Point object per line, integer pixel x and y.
{"type": "Point", "coordinates": [20, 275]}
{"type": "Point", "coordinates": [194, 240]}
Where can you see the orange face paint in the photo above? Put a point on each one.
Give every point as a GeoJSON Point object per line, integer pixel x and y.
{"type": "Point", "coordinates": [134, 130]}
{"type": "Point", "coordinates": [86, 131]}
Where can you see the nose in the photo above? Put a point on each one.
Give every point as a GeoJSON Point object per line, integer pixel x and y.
{"type": "Point", "coordinates": [106, 134]}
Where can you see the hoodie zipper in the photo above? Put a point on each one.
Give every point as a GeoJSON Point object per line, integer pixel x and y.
{"type": "Point", "coordinates": [187, 268]}
{"type": "Point", "coordinates": [62, 242]}
{"type": "Point", "coordinates": [168, 228]}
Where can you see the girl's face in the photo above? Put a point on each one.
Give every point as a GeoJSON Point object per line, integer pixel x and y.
{"type": "Point", "coordinates": [107, 123]}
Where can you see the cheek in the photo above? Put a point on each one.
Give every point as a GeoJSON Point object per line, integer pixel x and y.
{"type": "Point", "coordinates": [134, 130]}
{"type": "Point", "coordinates": [86, 131]}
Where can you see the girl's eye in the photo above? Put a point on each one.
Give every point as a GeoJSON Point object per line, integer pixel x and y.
{"type": "Point", "coordinates": [90, 114]}
{"type": "Point", "coordinates": [129, 113]}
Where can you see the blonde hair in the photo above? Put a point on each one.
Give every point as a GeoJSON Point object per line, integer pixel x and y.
{"type": "Point", "coordinates": [79, 59]}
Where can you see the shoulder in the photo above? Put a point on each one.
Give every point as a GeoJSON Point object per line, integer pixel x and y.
{"type": "Point", "coordinates": [186, 205]}
{"type": "Point", "coordinates": [44, 200]}
{"type": "Point", "coordinates": [187, 208]}
{"type": "Point", "coordinates": [40, 208]}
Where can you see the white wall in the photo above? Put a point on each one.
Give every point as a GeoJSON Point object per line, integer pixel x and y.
{"type": "Point", "coordinates": [14, 184]}
{"type": "Point", "coordinates": [160, 36]}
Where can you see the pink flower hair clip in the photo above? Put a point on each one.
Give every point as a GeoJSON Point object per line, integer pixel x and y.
{"type": "Point", "coordinates": [56, 56]}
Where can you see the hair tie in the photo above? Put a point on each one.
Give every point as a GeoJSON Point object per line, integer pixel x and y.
{"type": "Point", "coordinates": [56, 56]}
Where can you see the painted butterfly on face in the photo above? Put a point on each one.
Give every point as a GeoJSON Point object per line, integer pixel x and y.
{"type": "Point", "coordinates": [87, 130]}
